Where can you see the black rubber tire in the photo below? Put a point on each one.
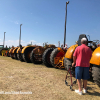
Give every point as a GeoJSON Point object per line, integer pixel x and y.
{"type": "Point", "coordinates": [25, 54]}
{"type": "Point", "coordinates": [19, 55]}
{"type": "Point", "coordinates": [32, 58]}
{"type": "Point", "coordinates": [45, 55]}
{"type": "Point", "coordinates": [67, 63]}
{"type": "Point", "coordinates": [53, 55]}
{"type": "Point", "coordinates": [15, 54]}
{"type": "Point", "coordinates": [11, 56]}
{"type": "Point", "coordinates": [96, 74]}
{"type": "Point", "coordinates": [8, 54]}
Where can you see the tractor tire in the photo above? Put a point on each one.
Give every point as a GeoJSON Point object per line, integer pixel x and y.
{"type": "Point", "coordinates": [26, 54]}
{"type": "Point", "coordinates": [32, 58]}
{"type": "Point", "coordinates": [8, 54]}
{"type": "Point", "coordinates": [15, 55]}
{"type": "Point", "coordinates": [67, 63]}
{"type": "Point", "coordinates": [96, 74]}
{"type": "Point", "coordinates": [11, 56]}
{"type": "Point", "coordinates": [55, 53]}
{"type": "Point", "coordinates": [19, 56]}
{"type": "Point", "coordinates": [46, 57]}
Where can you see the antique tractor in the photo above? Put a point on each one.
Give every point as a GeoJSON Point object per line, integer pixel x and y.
{"type": "Point", "coordinates": [3, 50]}
{"type": "Point", "coordinates": [61, 58]}
{"type": "Point", "coordinates": [94, 61]}
{"type": "Point", "coordinates": [57, 57]}
{"type": "Point", "coordinates": [19, 55]}
{"type": "Point", "coordinates": [37, 53]}
{"type": "Point", "coordinates": [13, 53]}
{"type": "Point", "coordinates": [10, 52]}
{"type": "Point", "coordinates": [25, 53]}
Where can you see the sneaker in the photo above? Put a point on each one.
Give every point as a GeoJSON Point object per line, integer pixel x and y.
{"type": "Point", "coordinates": [79, 92]}
{"type": "Point", "coordinates": [84, 90]}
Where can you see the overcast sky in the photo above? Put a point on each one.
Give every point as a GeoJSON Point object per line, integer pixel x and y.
{"type": "Point", "coordinates": [43, 21]}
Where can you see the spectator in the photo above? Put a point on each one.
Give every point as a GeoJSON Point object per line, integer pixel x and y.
{"type": "Point", "coordinates": [81, 58]}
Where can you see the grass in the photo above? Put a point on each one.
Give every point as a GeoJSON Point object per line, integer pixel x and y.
{"type": "Point", "coordinates": [44, 83]}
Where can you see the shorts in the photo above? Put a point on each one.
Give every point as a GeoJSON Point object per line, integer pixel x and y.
{"type": "Point", "coordinates": [82, 73]}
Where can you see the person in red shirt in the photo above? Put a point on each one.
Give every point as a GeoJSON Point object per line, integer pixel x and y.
{"type": "Point", "coordinates": [81, 58]}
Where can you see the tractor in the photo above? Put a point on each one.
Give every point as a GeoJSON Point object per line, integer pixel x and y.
{"type": "Point", "coordinates": [36, 54]}
{"type": "Point", "coordinates": [19, 55]}
{"type": "Point", "coordinates": [94, 61]}
{"type": "Point", "coordinates": [25, 53]}
{"type": "Point", "coordinates": [3, 50]}
{"type": "Point", "coordinates": [13, 53]}
{"type": "Point", "coordinates": [53, 57]}
{"type": "Point", "coordinates": [60, 59]}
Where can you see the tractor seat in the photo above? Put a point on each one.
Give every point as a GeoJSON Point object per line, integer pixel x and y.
{"type": "Point", "coordinates": [80, 37]}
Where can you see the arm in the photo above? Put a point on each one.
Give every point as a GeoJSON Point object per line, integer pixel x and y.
{"type": "Point", "coordinates": [74, 61]}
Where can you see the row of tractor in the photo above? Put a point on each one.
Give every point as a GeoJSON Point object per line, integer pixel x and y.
{"type": "Point", "coordinates": [58, 57]}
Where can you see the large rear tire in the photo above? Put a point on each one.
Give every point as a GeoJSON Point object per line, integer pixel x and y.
{"type": "Point", "coordinates": [19, 56]}
{"type": "Point", "coordinates": [26, 54]}
{"type": "Point", "coordinates": [67, 63]}
{"type": "Point", "coordinates": [12, 56]}
{"type": "Point", "coordinates": [15, 54]}
{"type": "Point", "coordinates": [96, 74]}
{"type": "Point", "coordinates": [8, 54]}
{"type": "Point", "coordinates": [33, 59]}
{"type": "Point", "coordinates": [46, 57]}
{"type": "Point", "coordinates": [55, 53]}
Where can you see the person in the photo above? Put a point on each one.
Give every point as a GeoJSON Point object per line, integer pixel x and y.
{"type": "Point", "coordinates": [81, 58]}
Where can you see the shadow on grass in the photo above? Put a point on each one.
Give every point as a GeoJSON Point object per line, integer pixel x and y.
{"type": "Point", "coordinates": [95, 93]}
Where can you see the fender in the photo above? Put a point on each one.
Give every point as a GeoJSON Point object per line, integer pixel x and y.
{"type": "Point", "coordinates": [17, 50]}
{"type": "Point", "coordinates": [70, 51]}
{"type": "Point", "coordinates": [14, 49]}
{"type": "Point", "coordinates": [95, 59]}
{"type": "Point", "coordinates": [25, 48]}
{"type": "Point", "coordinates": [10, 50]}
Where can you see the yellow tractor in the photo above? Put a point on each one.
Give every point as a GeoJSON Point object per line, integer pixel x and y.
{"type": "Point", "coordinates": [3, 50]}
{"type": "Point", "coordinates": [94, 61]}
{"type": "Point", "coordinates": [63, 59]}
{"type": "Point", "coordinates": [25, 53]}
{"type": "Point", "coordinates": [10, 51]}
{"type": "Point", "coordinates": [19, 55]}
{"type": "Point", "coordinates": [13, 53]}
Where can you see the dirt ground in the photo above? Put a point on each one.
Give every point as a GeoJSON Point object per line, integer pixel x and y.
{"type": "Point", "coordinates": [27, 81]}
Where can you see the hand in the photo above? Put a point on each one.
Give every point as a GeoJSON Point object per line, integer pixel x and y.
{"type": "Point", "coordinates": [73, 64]}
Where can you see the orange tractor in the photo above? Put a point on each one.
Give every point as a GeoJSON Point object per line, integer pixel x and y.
{"type": "Point", "coordinates": [10, 52]}
{"type": "Point", "coordinates": [24, 53]}
{"type": "Point", "coordinates": [19, 56]}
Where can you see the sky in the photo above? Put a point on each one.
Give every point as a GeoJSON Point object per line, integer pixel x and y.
{"type": "Point", "coordinates": [44, 21]}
